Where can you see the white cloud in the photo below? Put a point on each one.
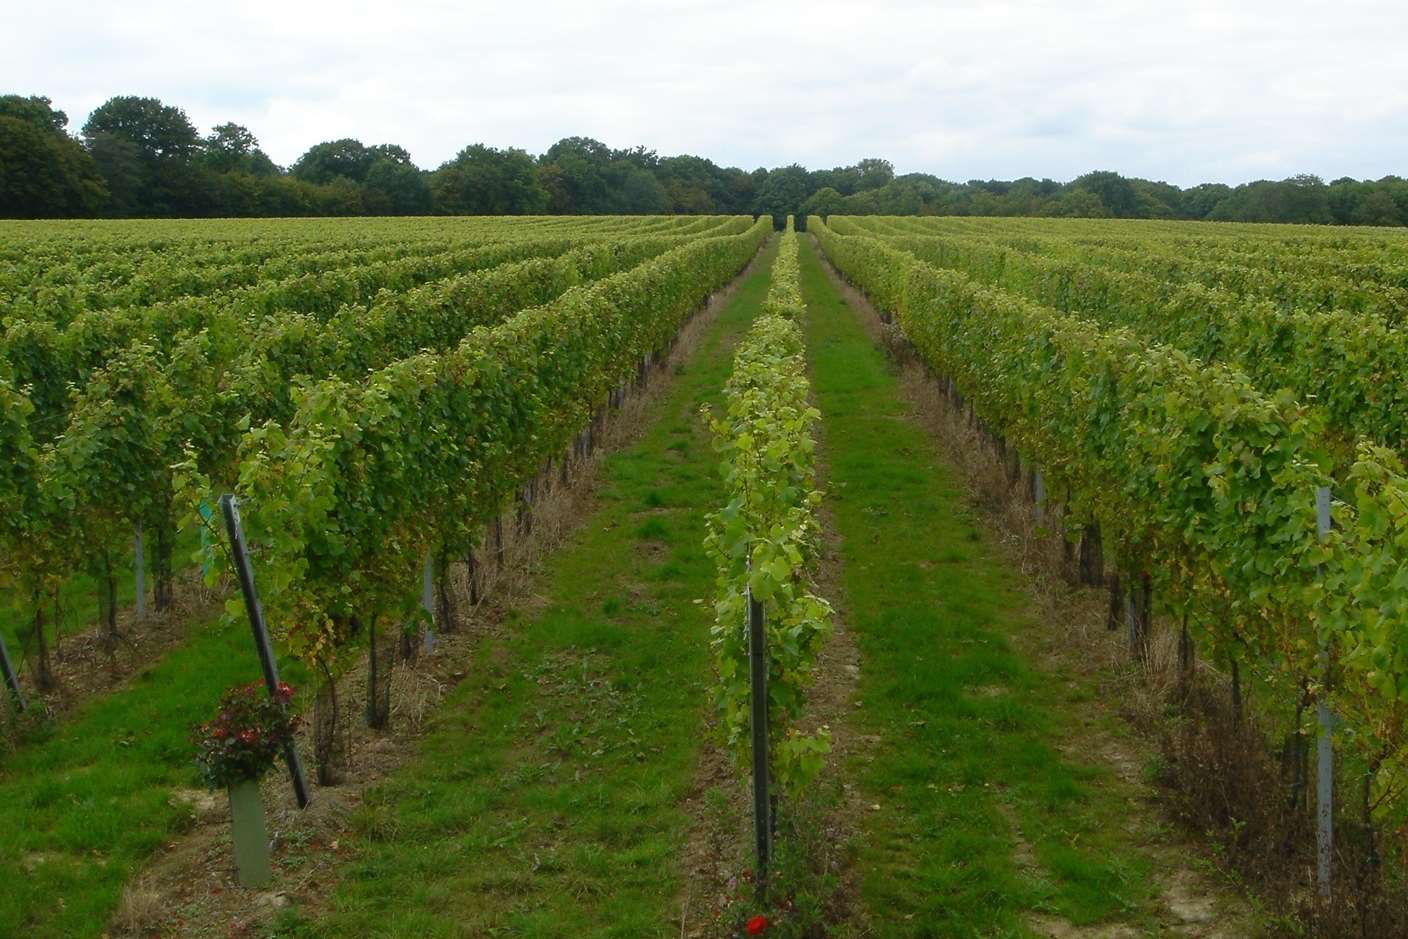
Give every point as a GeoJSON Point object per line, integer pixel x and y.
{"type": "Point", "coordinates": [1187, 91]}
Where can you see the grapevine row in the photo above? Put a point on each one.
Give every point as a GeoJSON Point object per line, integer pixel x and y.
{"type": "Point", "coordinates": [1329, 250]}
{"type": "Point", "coordinates": [764, 539]}
{"type": "Point", "coordinates": [1270, 273]}
{"type": "Point", "coordinates": [48, 360]}
{"type": "Point", "coordinates": [369, 478]}
{"type": "Point", "coordinates": [1194, 478]}
{"type": "Point", "coordinates": [147, 408]}
{"type": "Point", "coordinates": [1336, 360]}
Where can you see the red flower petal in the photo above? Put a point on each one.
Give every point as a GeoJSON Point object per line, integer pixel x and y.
{"type": "Point", "coordinates": [756, 925]}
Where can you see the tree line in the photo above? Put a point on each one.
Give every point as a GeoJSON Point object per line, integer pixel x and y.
{"type": "Point", "coordinates": [138, 157]}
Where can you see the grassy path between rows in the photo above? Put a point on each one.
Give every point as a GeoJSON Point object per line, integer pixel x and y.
{"type": "Point", "coordinates": [978, 824]}
{"type": "Point", "coordinates": [547, 796]}
{"type": "Point", "coordinates": [82, 808]}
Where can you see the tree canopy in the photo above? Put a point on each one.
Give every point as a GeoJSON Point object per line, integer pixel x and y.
{"type": "Point", "coordinates": [44, 171]}
{"type": "Point", "coordinates": [139, 156]}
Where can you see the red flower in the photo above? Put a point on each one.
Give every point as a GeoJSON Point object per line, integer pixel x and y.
{"type": "Point", "coordinates": [241, 742]}
{"type": "Point", "coordinates": [756, 925]}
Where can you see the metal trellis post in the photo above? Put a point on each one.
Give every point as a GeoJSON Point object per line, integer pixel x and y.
{"type": "Point", "coordinates": [261, 633]}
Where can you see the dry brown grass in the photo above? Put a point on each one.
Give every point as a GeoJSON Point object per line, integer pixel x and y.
{"type": "Point", "coordinates": [140, 912]}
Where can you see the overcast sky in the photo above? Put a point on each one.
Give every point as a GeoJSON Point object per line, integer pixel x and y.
{"type": "Point", "coordinates": [1182, 91]}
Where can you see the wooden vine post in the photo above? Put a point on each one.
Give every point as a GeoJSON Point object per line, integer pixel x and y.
{"type": "Point", "coordinates": [11, 681]}
{"type": "Point", "coordinates": [139, 572]}
{"type": "Point", "coordinates": [427, 601]}
{"type": "Point", "coordinates": [758, 679]}
{"type": "Point", "coordinates": [1324, 745]}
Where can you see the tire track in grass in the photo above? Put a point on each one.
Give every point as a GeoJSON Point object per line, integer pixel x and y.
{"type": "Point", "coordinates": [976, 825]}
{"type": "Point", "coordinates": [547, 798]}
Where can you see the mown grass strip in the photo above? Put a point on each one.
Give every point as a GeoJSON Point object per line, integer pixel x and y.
{"type": "Point", "coordinates": [82, 809]}
{"type": "Point", "coordinates": [975, 821]}
{"type": "Point", "coordinates": [547, 798]}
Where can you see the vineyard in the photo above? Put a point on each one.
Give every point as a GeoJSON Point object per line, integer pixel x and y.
{"type": "Point", "coordinates": [1183, 414]}
{"type": "Point", "coordinates": [679, 576]}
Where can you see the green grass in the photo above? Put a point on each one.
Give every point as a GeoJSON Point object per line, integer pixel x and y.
{"type": "Point", "coordinates": [546, 799]}
{"type": "Point", "coordinates": [966, 769]}
{"type": "Point", "coordinates": [84, 806]}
